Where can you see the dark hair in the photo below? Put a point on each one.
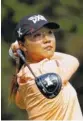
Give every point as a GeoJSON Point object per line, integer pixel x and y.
{"type": "Point", "coordinates": [14, 85]}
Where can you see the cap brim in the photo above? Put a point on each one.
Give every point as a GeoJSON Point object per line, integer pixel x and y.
{"type": "Point", "coordinates": [52, 25]}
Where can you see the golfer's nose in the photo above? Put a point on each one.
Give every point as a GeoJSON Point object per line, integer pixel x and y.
{"type": "Point", "coordinates": [46, 39]}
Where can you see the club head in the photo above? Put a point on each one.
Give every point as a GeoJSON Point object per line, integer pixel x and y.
{"type": "Point", "coordinates": [49, 84]}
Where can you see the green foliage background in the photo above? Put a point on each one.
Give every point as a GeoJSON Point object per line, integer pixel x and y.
{"type": "Point", "coordinates": [69, 14]}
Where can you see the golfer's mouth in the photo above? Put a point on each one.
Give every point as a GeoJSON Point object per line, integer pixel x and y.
{"type": "Point", "coordinates": [48, 47]}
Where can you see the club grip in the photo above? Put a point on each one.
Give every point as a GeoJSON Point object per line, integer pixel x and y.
{"type": "Point", "coordinates": [21, 55]}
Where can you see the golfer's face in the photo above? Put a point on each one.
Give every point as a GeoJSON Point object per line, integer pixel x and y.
{"type": "Point", "coordinates": [41, 44]}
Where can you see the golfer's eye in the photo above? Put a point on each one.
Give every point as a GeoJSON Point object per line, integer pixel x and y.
{"type": "Point", "coordinates": [50, 32]}
{"type": "Point", "coordinates": [37, 35]}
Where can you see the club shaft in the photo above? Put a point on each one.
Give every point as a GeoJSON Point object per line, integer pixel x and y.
{"type": "Point", "coordinates": [24, 60]}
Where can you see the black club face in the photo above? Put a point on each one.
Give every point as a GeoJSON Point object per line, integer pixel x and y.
{"type": "Point", "coordinates": [49, 84]}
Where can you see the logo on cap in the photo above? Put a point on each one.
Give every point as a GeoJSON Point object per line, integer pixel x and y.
{"type": "Point", "coordinates": [37, 18]}
{"type": "Point", "coordinates": [19, 32]}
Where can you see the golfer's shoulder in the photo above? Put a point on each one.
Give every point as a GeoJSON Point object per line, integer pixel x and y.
{"type": "Point", "coordinates": [66, 57]}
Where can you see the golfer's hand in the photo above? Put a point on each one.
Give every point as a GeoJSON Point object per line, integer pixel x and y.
{"type": "Point", "coordinates": [14, 47]}
{"type": "Point", "coordinates": [12, 51]}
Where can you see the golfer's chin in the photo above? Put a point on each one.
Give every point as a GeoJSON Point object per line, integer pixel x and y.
{"type": "Point", "coordinates": [48, 54]}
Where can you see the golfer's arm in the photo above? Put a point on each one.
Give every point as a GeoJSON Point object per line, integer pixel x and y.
{"type": "Point", "coordinates": [19, 101]}
{"type": "Point", "coordinates": [68, 65]}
